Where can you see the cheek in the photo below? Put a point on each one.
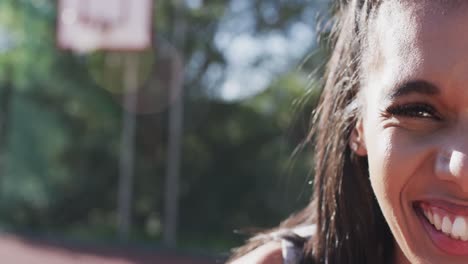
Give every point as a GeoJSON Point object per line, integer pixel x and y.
{"type": "Point", "coordinates": [392, 166]}
{"type": "Point", "coordinates": [397, 160]}
{"type": "Point", "coordinates": [387, 168]}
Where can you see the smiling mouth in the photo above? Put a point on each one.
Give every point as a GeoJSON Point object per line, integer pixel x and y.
{"type": "Point", "coordinates": [446, 224]}
{"type": "Point", "coordinates": [452, 225]}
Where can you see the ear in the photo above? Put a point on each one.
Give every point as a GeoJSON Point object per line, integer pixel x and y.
{"type": "Point", "coordinates": [356, 140]}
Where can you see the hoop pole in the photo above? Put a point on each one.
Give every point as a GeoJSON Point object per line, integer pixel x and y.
{"type": "Point", "coordinates": [127, 151]}
{"type": "Point", "coordinates": [7, 93]}
{"type": "Point", "coordinates": [176, 117]}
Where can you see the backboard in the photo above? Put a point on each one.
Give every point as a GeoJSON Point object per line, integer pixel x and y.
{"type": "Point", "coordinates": [121, 25]}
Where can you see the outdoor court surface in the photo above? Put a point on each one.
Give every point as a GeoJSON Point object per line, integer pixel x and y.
{"type": "Point", "coordinates": [21, 250]}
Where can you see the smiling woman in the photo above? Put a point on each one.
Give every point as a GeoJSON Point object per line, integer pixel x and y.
{"type": "Point", "coordinates": [390, 137]}
{"type": "Point", "coordinates": [414, 134]}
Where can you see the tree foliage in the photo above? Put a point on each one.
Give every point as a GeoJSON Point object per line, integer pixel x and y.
{"type": "Point", "coordinates": [59, 163]}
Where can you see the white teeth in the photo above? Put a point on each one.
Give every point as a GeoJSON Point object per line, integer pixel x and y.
{"type": "Point", "coordinates": [429, 216]}
{"type": "Point", "coordinates": [459, 227]}
{"type": "Point", "coordinates": [456, 230]}
{"type": "Point", "coordinates": [446, 225]}
{"type": "Point", "coordinates": [437, 221]}
{"type": "Point", "coordinates": [464, 236]}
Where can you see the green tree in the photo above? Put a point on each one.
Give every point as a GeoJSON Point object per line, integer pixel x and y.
{"type": "Point", "coordinates": [59, 167]}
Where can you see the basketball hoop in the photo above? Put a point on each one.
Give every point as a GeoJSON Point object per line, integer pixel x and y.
{"type": "Point", "coordinates": [120, 25]}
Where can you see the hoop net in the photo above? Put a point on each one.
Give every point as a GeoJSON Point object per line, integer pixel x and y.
{"type": "Point", "coordinates": [121, 25]}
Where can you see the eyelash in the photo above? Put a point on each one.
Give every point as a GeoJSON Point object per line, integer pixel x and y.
{"type": "Point", "coordinates": [418, 110]}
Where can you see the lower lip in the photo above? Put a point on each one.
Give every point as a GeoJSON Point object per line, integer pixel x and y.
{"type": "Point", "coordinates": [441, 240]}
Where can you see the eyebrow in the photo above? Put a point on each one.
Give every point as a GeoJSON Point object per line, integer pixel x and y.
{"type": "Point", "coordinates": [418, 86]}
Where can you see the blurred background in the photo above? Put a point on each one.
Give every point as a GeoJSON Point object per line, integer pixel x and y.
{"type": "Point", "coordinates": [173, 151]}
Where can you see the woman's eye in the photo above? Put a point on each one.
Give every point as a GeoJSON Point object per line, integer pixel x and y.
{"type": "Point", "coordinates": [413, 110]}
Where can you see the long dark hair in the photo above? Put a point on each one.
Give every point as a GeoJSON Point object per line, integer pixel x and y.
{"type": "Point", "coordinates": [350, 225]}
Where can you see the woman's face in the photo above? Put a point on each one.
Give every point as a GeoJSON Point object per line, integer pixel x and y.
{"type": "Point", "coordinates": [415, 126]}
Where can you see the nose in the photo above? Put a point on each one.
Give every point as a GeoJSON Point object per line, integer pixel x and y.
{"type": "Point", "coordinates": [453, 166]}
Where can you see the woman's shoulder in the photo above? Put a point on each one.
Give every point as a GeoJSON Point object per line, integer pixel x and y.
{"type": "Point", "coordinates": [285, 247]}
{"type": "Point", "coordinates": [270, 253]}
